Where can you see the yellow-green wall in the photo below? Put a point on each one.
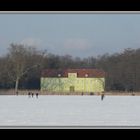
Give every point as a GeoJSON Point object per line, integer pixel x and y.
{"type": "Point", "coordinates": [80, 84]}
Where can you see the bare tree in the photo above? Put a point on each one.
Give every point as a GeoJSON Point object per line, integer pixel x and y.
{"type": "Point", "coordinates": [22, 60]}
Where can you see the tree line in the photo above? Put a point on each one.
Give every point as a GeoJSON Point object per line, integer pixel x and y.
{"type": "Point", "coordinates": [21, 67]}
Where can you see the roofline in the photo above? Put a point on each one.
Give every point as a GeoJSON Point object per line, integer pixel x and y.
{"type": "Point", "coordinates": [102, 74]}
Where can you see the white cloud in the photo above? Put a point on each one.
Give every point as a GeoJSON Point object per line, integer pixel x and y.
{"type": "Point", "coordinates": [32, 42]}
{"type": "Point", "coordinates": [82, 44]}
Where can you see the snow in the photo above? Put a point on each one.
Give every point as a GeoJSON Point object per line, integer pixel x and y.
{"type": "Point", "coordinates": [69, 111]}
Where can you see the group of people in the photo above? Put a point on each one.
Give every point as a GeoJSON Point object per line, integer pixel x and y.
{"type": "Point", "coordinates": [102, 95]}
{"type": "Point", "coordinates": [31, 94]}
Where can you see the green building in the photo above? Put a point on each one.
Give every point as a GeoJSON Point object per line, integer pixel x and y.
{"type": "Point", "coordinates": [73, 80]}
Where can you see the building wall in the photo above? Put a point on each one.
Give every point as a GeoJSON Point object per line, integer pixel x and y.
{"type": "Point", "coordinates": [72, 82]}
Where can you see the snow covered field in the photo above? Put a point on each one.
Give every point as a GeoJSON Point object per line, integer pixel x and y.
{"type": "Point", "coordinates": [69, 111]}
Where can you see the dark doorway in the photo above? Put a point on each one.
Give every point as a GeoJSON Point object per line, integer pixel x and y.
{"type": "Point", "coordinates": [72, 89]}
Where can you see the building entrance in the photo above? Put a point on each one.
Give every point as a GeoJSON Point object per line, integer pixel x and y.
{"type": "Point", "coordinates": [72, 89]}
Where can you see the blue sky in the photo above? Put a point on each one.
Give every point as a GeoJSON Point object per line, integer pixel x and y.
{"type": "Point", "coordinates": [79, 35]}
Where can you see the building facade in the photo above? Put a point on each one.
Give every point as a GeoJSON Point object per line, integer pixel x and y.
{"type": "Point", "coordinates": [73, 80]}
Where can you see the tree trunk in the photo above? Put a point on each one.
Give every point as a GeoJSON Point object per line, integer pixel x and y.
{"type": "Point", "coordinates": [16, 85]}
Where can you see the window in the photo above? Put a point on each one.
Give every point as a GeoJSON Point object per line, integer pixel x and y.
{"type": "Point", "coordinates": [72, 75]}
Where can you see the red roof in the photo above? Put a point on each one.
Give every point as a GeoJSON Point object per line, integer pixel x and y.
{"type": "Point", "coordinates": [80, 72]}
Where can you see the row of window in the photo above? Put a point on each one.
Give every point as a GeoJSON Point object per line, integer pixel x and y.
{"type": "Point", "coordinates": [77, 81]}
{"type": "Point", "coordinates": [86, 81]}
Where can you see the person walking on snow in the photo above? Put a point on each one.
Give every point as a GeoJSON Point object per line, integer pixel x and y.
{"type": "Point", "coordinates": [102, 96]}
{"type": "Point", "coordinates": [32, 94]}
{"type": "Point", "coordinates": [36, 95]}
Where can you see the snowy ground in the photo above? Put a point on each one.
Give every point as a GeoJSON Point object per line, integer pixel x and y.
{"type": "Point", "coordinates": [69, 111]}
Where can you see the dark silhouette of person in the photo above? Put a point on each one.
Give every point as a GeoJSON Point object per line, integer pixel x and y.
{"type": "Point", "coordinates": [102, 96]}
{"type": "Point", "coordinates": [29, 94]}
{"type": "Point", "coordinates": [82, 93]}
{"type": "Point", "coordinates": [32, 94]}
{"type": "Point", "coordinates": [36, 95]}
{"type": "Point", "coordinates": [17, 93]}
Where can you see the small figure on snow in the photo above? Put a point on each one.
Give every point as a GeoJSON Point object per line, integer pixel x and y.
{"type": "Point", "coordinates": [29, 94]}
{"type": "Point", "coordinates": [32, 94]}
{"type": "Point", "coordinates": [102, 96]}
{"type": "Point", "coordinates": [36, 95]}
